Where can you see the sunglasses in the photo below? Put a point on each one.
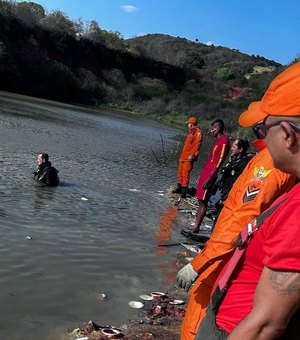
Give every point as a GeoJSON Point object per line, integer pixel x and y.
{"type": "Point", "coordinates": [261, 129]}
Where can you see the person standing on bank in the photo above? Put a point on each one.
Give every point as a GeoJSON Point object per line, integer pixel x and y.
{"type": "Point", "coordinates": [252, 193]}
{"type": "Point", "coordinates": [257, 296]}
{"type": "Point", "coordinates": [208, 175]}
{"type": "Point", "coordinates": [237, 162]}
{"type": "Point", "coordinates": [188, 156]}
{"type": "Point", "coordinates": [45, 173]}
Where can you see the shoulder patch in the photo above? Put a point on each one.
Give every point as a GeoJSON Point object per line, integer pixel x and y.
{"type": "Point", "coordinates": [252, 191]}
{"type": "Point", "coordinates": [256, 183]}
{"type": "Point", "coordinates": [261, 172]}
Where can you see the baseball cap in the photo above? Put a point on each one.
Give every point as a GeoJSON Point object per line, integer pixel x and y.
{"type": "Point", "coordinates": [282, 98]}
{"type": "Point", "coordinates": [192, 120]}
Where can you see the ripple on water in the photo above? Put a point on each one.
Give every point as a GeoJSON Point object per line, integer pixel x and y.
{"type": "Point", "coordinates": [78, 248]}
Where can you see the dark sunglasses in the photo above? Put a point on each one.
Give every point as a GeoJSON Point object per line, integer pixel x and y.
{"type": "Point", "coordinates": [261, 129]}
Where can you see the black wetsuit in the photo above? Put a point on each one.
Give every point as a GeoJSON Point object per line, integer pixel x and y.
{"type": "Point", "coordinates": [230, 172]}
{"type": "Point", "coordinates": [46, 174]}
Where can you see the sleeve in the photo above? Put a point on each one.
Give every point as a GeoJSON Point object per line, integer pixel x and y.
{"type": "Point", "coordinates": [197, 143]}
{"type": "Point", "coordinates": [220, 152]}
{"type": "Point", "coordinates": [281, 238]}
{"type": "Point", "coordinates": [237, 212]}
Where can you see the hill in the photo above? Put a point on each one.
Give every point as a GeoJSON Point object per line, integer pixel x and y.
{"type": "Point", "coordinates": [48, 55]}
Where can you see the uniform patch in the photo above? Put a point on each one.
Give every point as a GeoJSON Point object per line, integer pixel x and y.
{"type": "Point", "coordinates": [256, 183]}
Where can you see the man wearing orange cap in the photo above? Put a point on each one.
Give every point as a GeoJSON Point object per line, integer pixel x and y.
{"type": "Point", "coordinates": [257, 294]}
{"type": "Point", "coordinates": [252, 193]}
{"type": "Point", "coordinates": [188, 156]}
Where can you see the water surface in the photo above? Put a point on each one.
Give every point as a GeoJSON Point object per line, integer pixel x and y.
{"type": "Point", "coordinates": [95, 233]}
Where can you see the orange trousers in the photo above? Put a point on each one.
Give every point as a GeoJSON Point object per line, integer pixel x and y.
{"type": "Point", "coordinates": [184, 170]}
{"type": "Point", "coordinates": [200, 297]}
{"type": "Point", "coordinates": [196, 310]}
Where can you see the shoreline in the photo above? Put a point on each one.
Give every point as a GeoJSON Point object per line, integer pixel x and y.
{"type": "Point", "coordinates": [158, 318]}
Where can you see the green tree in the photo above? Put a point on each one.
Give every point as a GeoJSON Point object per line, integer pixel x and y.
{"type": "Point", "coordinates": [58, 22]}
{"type": "Point", "coordinates": [225, 73]}
{"type": "Point", "coordinates": [195, 60]}
{"type": "Point", "coordinates": [30, 13]}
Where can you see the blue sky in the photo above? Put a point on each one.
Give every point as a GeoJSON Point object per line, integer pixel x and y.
{"type": "Point", "coordinates": [270, 28]}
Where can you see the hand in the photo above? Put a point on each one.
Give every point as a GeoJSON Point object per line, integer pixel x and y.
{"type": "Point", "coordinates": [207, 184]}
{"type": "Point", "coordinates": [186, 277]}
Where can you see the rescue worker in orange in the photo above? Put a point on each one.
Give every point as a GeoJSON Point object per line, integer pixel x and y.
{"type": "Point", "coordinates": [252, 193]}
{"type": "Point", "coordinates": [188, 156]}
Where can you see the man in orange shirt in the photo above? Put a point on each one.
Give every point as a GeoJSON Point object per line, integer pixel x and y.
{"type": "Point", "coordinates": [252, 193]}
{"type": "Point", "coordinates": [188, 156]}
{"type": "Point", "coordinates": [257, 295]}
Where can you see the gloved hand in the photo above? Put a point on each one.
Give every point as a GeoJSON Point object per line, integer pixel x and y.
{"type": "Point", "coordinates": [186, 277]}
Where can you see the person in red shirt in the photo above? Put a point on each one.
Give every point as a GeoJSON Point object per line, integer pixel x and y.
{"type": "Point", "coordinates": [253, 192]}
{"type": "Point", "coordinates": [257, 294]}
{"type": "Point", "coordinates": [208, 175]}
{"type": "Point", "coordinates": [188, 156]}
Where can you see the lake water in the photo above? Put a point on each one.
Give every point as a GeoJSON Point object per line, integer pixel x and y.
{"type": "Point", "coordinates": [95, 233]}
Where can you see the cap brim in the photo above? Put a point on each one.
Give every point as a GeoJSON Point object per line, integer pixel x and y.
{"type": "Point", "coordinates": [253, 115]}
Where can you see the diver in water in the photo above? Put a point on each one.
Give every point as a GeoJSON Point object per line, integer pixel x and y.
{"type": "Point", "coordinates": [45, 172]}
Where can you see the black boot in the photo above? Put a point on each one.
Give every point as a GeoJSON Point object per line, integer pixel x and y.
{"type": "Point", "coordinates": [177, 190]}
{"type": "Point", "coordinates": [184, 192]}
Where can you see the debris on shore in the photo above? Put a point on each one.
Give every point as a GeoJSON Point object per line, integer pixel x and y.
{"type": "Point", "coordinates": [160, 318]}
{"type": "Point", "coordinates": [161, 312]}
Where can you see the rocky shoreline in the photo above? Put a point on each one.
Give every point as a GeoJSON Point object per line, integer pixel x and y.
{"type": "Point", "coordinates": [160, 318]}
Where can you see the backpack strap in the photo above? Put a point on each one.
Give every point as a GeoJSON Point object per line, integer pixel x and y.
{"type": "Point", "coordinates": [242, 243]}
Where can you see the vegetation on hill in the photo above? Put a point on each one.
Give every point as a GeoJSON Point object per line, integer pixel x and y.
{"type": "Point", "coordinates": [48, 55]}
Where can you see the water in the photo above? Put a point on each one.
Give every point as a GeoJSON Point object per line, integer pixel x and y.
{"type": "Point", "coordinates": [58, 251]}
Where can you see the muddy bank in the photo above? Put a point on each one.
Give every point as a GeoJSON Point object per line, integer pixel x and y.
{"type": "Point", "coordinates": [160, 318]}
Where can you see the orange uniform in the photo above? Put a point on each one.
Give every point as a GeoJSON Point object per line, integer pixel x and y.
{"type": "Point", "coordinates": [188, 155]}
{"type": "Point", "coordinates": [252, 193]}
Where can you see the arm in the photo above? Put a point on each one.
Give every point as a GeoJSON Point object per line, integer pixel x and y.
{"type": "Point", "coordinates": [276, 299]}
{"type": "Point", "coordinates": [219, 154]}
{"type": "Point", "coordinates": [196, 145]}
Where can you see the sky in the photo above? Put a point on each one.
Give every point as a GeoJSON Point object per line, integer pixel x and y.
{"type": "Point", "coordinates": [269, 28]}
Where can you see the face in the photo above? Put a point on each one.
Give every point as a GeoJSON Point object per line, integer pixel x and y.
{"type": "Point", "coordinates": [235, 149]}
{"type": "Point", "coordinates": [39, 159]}
{"type": "Point", "coordinates": [191, 126]}
{"type": "Point", "coordinates": [214, 130]}
{"type": "Point", "coordinates": [274, 142]}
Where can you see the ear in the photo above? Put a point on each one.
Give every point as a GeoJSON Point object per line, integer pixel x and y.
{"type": "Point", "coordinates": [289, 134]}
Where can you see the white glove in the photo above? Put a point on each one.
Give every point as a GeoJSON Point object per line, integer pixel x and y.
{"type": "Point", "coordinates": [186, 277]}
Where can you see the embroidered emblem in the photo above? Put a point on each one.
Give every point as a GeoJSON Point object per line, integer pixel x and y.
{"type": "Point", "coordinates": [260, 173]}
{"type": "Point", "coordinates": [256, 184]}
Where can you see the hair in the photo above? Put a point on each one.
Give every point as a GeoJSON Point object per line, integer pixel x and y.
{"type": "Point", "coordinates": [243, 144]}
{"type": "Point", "coordinates": [220, 124]}
{"type": "Point", "coordinates": [45, 156]}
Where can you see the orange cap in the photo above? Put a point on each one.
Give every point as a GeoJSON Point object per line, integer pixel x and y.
{"type": "Point", "coordinates": [282, 98]}
{"type": "Point", "coordinates": [192, 120]}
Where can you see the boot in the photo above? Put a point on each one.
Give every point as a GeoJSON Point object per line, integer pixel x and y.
{"type": "Point", "coordinates": [177, 190]}
{"type": "Point", "coordinates": [184, 192]}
